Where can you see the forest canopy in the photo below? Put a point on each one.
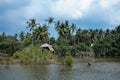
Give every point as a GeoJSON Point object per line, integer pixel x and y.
{"type": "Point", "coordinates": [70, 40]}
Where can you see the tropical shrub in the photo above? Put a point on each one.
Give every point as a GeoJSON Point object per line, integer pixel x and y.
{"type": "Point", "coordinates": [68, 60]}
{"type": "Point", "coordinates": [33, 53]}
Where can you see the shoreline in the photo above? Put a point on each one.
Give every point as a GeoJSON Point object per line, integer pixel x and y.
{"type": "Point", "coordinates": [55, 61]}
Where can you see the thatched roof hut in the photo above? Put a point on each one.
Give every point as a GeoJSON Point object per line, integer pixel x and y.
{"type": "Point", "coordinates": [48, 46]}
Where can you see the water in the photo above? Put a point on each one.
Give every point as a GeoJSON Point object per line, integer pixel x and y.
{"type": "Point", "coordinates": [103, 70]}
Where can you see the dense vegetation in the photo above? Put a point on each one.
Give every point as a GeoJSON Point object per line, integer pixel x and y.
{"type": "Point", "coordinates": [70, 40]}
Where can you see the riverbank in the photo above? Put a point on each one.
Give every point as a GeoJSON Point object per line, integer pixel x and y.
{"type": "Point", "coordinates": [11, 60]}
{"type": "Point", "coordinates": [53, 60]}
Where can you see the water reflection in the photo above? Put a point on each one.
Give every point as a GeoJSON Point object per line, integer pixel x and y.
{"type": "Point", "coordinates": [78, 71]}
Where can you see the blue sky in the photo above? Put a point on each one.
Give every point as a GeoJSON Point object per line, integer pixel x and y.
{"type": "Point", "coordinates": [84, 13]}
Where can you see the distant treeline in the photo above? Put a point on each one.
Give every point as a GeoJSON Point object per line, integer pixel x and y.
{"type": "Point", "coordinates": [70, 40]}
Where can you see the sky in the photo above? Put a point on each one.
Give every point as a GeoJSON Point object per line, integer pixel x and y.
{"type": "Point", "coordinates": [101, 14]}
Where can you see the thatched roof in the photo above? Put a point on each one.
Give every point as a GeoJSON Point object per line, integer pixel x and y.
{"type": "Point", "coordinates": [47, 46]}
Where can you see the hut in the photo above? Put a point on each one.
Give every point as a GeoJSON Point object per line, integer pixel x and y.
{"type": "Point", "coordinates": [48, 47]}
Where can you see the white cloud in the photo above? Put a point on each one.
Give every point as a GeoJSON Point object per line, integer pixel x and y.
{"type": "Point", "coordinates": [104, 11]}
{"type": "Point", "coordinates": [115, 18]}
{"type": "Point", "coordinates": [112, 10]}
{"type": "Point", "coordinates": [37, 8]}
{"type": "Point", "coordinates": [73, 9]}
{"type": "Point", "coordinates": [101, 10]}
{"type": "Point", "coordinates": [108, 3]}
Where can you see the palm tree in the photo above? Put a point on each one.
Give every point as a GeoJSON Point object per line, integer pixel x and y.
{"type": "Point", "coordinates": [78, 35]}
{"type": "Point", "coordinates": [118, 29]}
{"type": "Point", "coordinates": [58, 28]}
{"type": "Point", "coordinates": [73, 28]}
{"type": "Point", "coordinates": [15, 36]}
{"type": "Point", "coordinates": [41, 33]}
{"type": "Point", "coordinates": [3, 36]}
{"type": "Point", "coordinates": [27, 40]}
{"type": "Point", "coordinates": [21, 36]}
{"type": "Point", "coordinates": [32, 24]}
{"type": "Point", "coordinates": [50, 20]}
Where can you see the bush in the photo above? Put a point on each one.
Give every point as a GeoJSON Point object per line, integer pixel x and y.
{"type": "Point", "coordinates": [46, 55]}
{"type": "Point", "coordinates": [69, 60]}
{"type": "Point", "coordinates": [24, 58]}
{"type": "Point", "coordinates": [19, 55]}
{"type": "Point", "coordinates": [33, 53]}
{"type": "Point", "coordinates": [16, 55]}
{"type": "Point", "coordinates": [7, 59]}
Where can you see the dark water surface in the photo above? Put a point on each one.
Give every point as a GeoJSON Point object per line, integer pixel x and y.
{"type": "Point", "coordinates": [103, 70]}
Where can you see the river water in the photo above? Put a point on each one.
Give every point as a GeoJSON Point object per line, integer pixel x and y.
{"type": "Point", "coordinates": [102, 70]}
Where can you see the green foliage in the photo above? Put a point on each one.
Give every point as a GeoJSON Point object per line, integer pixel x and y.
{"type": "Point", "coordinates": [108, 46]}
{"type": "Point", "coordinates": [82, 47]}
{"type": "Point", "coordinates": [70, 40]}
{"type": "Point", "coordinates": [68, 60]}
{"type": "Point", "coordinates": [21, 56]}
{"type": "Point", "coordinates": [30, 52]}
{"type": "Point", "coordinates": [16, 55]}
{"type": "Point", "coordinates": [33, 53]}
{"type": "Point", "coordinates": [7, 59]}
{"type": "Point", "coordinates": [62, 47]}
{"type": "Point", "coordinates": [46, 55]}
{"type": "Point", "coordinates": [24, 57]}
{"type": "Point", "coordinates": [9, 45]}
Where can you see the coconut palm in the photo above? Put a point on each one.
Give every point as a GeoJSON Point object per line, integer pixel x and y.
{"type": "Point", "coordinates": [49, 20]}
{"type": "Point", "coordinates": [78, 35]}
{"type": "Point", "coordinates": [32, 24]}
{"type": "Point", "coordinates": [41, 33]}
{"type": "Point", "coordinates": [73, 27]}
{"type": "Point", "coordinates": [21, 36]}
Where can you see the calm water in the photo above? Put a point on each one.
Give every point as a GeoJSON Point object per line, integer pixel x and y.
{"type": "Point", "coordinates": [107, 70]}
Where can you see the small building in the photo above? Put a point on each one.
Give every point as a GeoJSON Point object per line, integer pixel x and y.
{"type": "Point", "coordinates": [48, 47]}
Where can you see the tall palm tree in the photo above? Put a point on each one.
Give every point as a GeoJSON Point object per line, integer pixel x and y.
{"type": "Point", "coordinates": [32, 24]}
{"type": "Point", "coordinates": [15, 36]}
{"type": "Point", "coordinates": [78, 35]}
{"type": "Point", "coordinates": [41, 33]}
{"type": "Point", "coordinates": [118, 29]}
{"type": "Point", "coordinates": [21, 36]}
{"type": "Point", "coordinates": [73, 27]}
{"type": "Point", "coordinates": [50, 20]}
{"type": "Point", "coordinates": [58, 27]}
{"type": "Point", "coordinates": [3, 36]}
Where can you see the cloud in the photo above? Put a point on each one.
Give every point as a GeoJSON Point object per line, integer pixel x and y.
{"type": "Point", "coordinates": [103, 13]}
{"type": "Point", "coordinates": [107, 4]}
{"type": "Point", "coordinates": [85, 12]}
{"type": "Point", "coordinates": [111, 10]}
{"type": "Point", "coordinates": [73, 9]}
